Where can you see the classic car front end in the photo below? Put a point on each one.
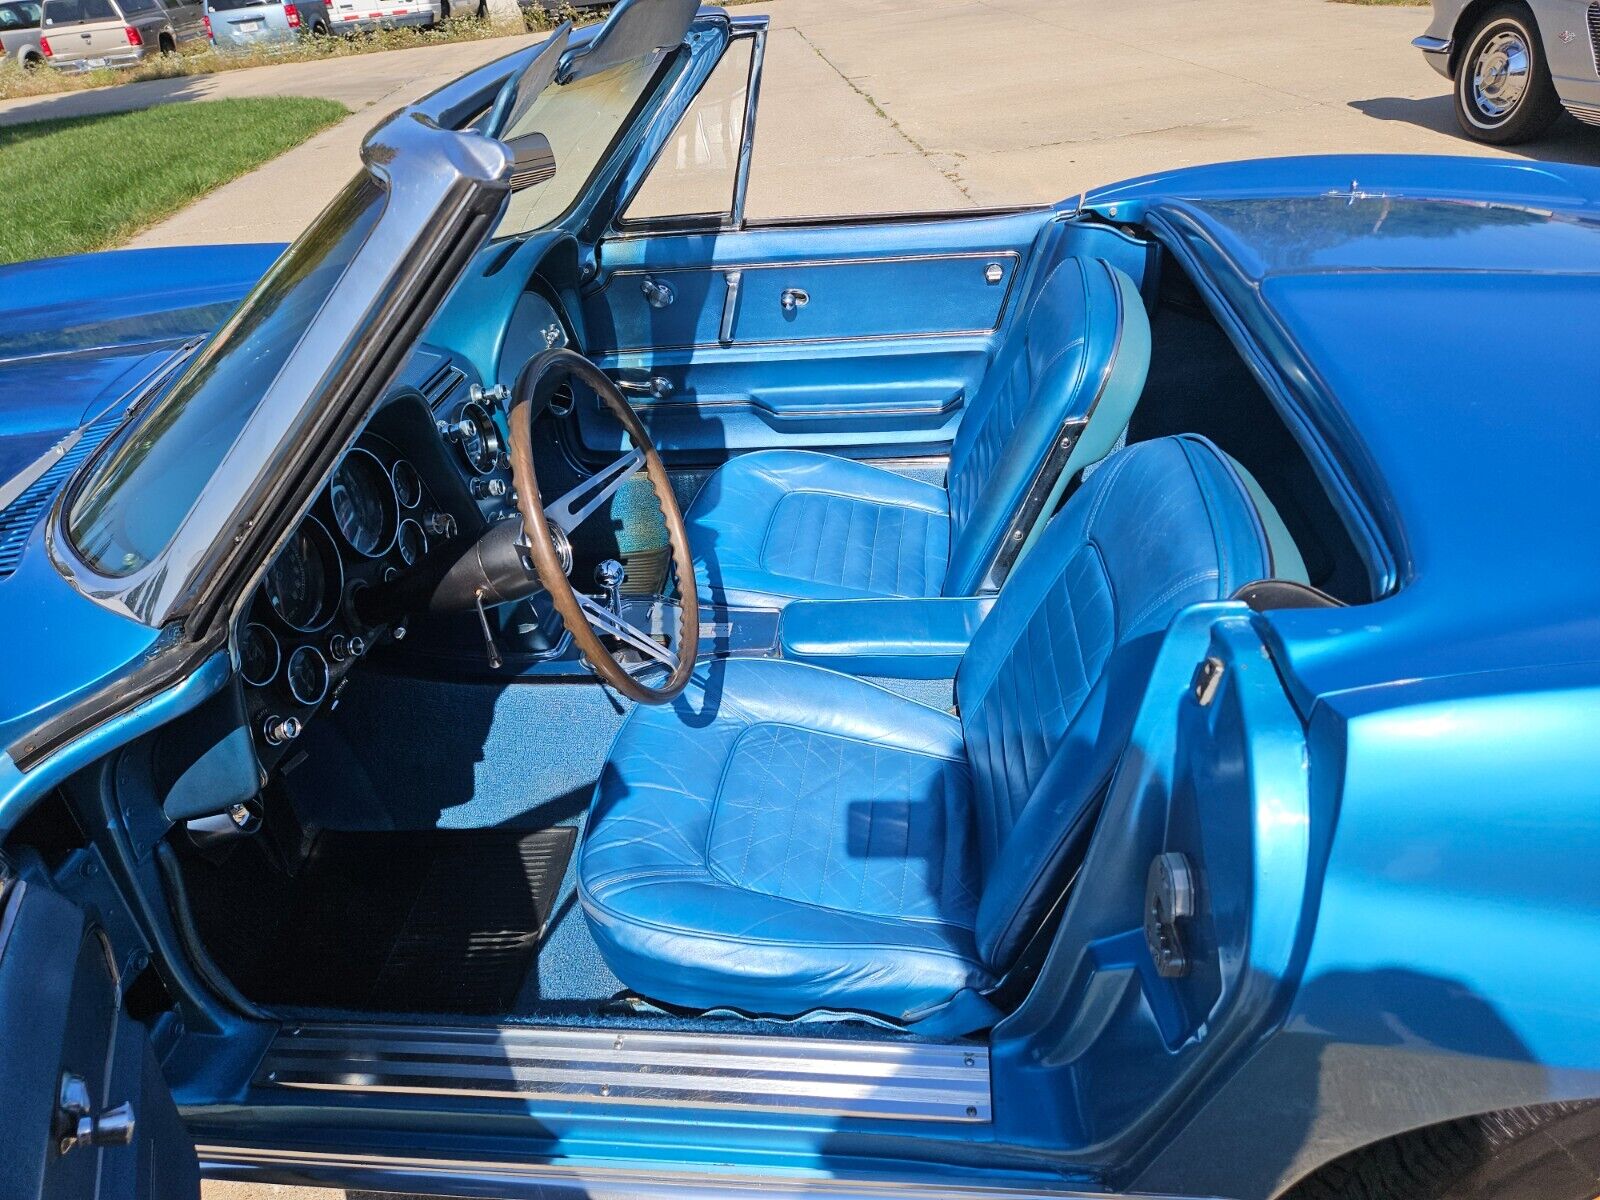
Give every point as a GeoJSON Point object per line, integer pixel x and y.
{"type": "Point", "coordinates": [542, 699]}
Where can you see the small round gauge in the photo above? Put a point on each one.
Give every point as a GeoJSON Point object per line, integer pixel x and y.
{"type": "Point", "coordinates": [306, 581]}
{"type": "Point", "coordinates": [412, 541]}
{"type": "Point", "coordinates": [364, 503]}
{"type": "Point", "coordinates": [478, 437]}
{"type": "Point", "coordinates": [259, 655]}
{"type": "Point", "coordinates": [407, 483]}
{"type": "Point", "coordinates": [307, 676]}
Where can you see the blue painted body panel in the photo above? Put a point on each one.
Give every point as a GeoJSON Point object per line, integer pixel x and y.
{"type": "Point", "coordinates": [1394, 802]}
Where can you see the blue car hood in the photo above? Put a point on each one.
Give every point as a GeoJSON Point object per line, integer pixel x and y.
{"type": "Point", "coordinates": [77, 337]}
{"type": "Point", "coordinates": [72, 330]}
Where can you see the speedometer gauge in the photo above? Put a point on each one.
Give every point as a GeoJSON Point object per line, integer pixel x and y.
{"type": "Point", "coordinates": [306, 581]}
{"type": "Point", "coordinates": [365, 510]}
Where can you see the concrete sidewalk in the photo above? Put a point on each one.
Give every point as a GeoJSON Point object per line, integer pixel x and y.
{"type": "Point", "coordinates": [937, 104]}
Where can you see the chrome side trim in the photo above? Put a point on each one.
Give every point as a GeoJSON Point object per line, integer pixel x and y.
{"type": "Point", "coordinates": [505, 1179]}
{"type": "Point", "coordinates": [892, 1080]}
{"type": "Point", "coordinates": [1589, 114]}
{"type": "Point", "coordinates": [1432, 45]}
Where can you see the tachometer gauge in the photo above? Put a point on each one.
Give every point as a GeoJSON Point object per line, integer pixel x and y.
{"type": "Point", "coordinates": [306, 581]}
{"type": "Point", "coordinates": [259, 655]}
{"type": "Point", "coordinates": [412, 542]}
{"type": "Point", "coordinates": [478, 436]}
{"type": "Point", "coordinates": [407, 483]}
{"type": "Point", "coordinates": [307, 676]}
{"type": "Point", "coordinates": [364, 504]}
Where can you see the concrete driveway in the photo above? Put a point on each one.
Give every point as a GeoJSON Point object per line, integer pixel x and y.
{"type": "Point", "coordinates": [904, 104]}
{"type": "Point", "coordinates": [908, 104]}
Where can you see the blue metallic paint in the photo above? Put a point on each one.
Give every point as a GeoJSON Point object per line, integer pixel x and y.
{"type": "Point", "coordinates": [1396, 859]}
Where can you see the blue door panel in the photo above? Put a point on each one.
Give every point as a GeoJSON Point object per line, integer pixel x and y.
{"type": "Point", "coordinates": [899, 322]}
{"type": "Point", "coordinates": [799, 396]}
{"type": "Point", "coordinates": [898, 296]}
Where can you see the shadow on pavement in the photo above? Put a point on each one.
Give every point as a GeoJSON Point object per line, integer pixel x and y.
{"type": "Point", "coordinates": [1568, 140]}
{"type": "Point", "coordinates": [146, 93]}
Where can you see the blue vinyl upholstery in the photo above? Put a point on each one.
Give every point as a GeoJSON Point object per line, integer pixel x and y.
{"type": "Point", "coordinates": [784, 839]}
{"type": "Point", "coordinates": [778, 525]}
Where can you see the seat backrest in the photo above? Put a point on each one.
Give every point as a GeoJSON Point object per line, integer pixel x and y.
{"type": "Point", "coordinates": [1049, 686]}
{"type": "Point", "coordinates": [1057, 398]}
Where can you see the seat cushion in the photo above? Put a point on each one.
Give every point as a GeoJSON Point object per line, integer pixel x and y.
{"type": "Point", "coordinates": [778, 525]}
{"type": "Point", "coordinates": [781, 839]}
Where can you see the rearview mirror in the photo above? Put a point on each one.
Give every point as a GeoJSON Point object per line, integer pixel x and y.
{"type": "Point", "coordinates": [532, 160]}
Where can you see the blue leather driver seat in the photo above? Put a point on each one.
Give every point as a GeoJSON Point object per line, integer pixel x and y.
{"type": "Point", "coordinates": [783, 839]}
{"type": "Point", "coordinates": [777, 525]}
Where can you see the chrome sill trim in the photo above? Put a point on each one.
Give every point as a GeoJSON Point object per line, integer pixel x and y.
{"type": "Point", "coordinates": [1589, 114]}
{"type": "Point", "coordinates": [1432, 45]}
{"type": "Point", "coordinates": [905, 1081]}
{"type": "Point", "coordinates": [514, 1180]}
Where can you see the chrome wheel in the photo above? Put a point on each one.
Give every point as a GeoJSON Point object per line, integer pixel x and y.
{"type": "Point", "coordinates": [1500, 75]}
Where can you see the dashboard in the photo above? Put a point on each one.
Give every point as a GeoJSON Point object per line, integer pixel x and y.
{"type": "Point", "coordinates": [430, 470]}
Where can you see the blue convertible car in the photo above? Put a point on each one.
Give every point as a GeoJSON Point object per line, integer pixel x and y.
{"type": "Point", "coordinates": [549, 686]}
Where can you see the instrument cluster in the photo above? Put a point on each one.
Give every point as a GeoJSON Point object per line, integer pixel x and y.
{"type": "Point", "coordinates": [374, 521]}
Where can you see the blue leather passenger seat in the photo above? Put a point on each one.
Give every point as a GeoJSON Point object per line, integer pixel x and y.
{"type": "Point", "coordinates": [784, 839]}
{"type": "Point", "coordinates": [777, 525]}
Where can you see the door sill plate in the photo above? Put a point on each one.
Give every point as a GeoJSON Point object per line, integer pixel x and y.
{"type": "Point", "coordinates": [894, 1080]}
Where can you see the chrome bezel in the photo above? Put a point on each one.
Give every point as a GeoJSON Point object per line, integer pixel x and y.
{"type": "Point", "coordinates": [334, 594]}
{"type": "Point", "coordinates": [489, 434]}
{"type": "Point", "coordinates": [277, 654]}
{"type": "Point", "coordinates": [412, 473]}
{"type": "Point", "coordinates": [392, 508]}
{"type": "Point", "coordinates": [399, 543]}
{"type": "Point", "coordinates": [288, 676]}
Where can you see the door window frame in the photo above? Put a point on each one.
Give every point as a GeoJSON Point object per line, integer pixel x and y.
{"type": "Point", "coordinates": [733, 217]}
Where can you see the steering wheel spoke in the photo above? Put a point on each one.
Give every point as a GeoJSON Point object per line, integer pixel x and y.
{"type": "Point", "coordinates": [606, 621]}
{"type": "Point", "coordinates": [572, 509]}
{"type": "Point", "coordinates": [548, 526]}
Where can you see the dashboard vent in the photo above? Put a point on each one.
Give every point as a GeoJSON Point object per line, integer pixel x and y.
{"type": "Point", "coordinates": [1594, 35]}
{"type": "Point", "coordinates": [441, 385]}
{"type": "Point", "coordinates": [22, 514]}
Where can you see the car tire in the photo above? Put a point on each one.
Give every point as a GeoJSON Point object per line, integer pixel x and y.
{"type": "Point", "coordinates": [1547, 1152]}
{"type": "Point", "coordinates": [1503, 90]}
{"type": "Point", "coordinates": [166, 45]}
{"type": "Point", "coordinates": [319, 29]}
{"type": "Point", "coordinates": [32, 62]}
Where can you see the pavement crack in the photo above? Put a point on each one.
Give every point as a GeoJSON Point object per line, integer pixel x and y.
{"type": "Point", "coordinates": [932, 157]}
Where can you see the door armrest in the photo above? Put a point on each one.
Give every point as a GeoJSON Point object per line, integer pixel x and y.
{"type": "Point", "coordinates": [895, 638]}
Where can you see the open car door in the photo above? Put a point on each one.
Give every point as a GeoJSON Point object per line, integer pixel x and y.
{"type": "Point", "coordinates": [84, 1112]}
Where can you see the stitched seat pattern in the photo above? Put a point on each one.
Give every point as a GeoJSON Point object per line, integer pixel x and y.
{"type": "Point", "coordinates": [859, 545]}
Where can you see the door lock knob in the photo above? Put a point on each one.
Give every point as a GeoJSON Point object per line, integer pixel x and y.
{"type": "Point", "coordinates": [76, 1125]}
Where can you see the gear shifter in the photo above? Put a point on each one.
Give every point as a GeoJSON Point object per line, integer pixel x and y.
{"type": "Point", "coordinates": [609, 575]}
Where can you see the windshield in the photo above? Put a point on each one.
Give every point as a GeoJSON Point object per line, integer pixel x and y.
{"type": "Point", "coordinates": [131, 506]}
{"type": "Point", "coordinates": [582, 118]}
{"type": "Point", "coordinates": [23, 14]}
{"type": "Point", "coordinates": [70, 12]}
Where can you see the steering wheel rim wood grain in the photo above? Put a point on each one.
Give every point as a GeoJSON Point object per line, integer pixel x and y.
{"type": "Point", "coordinates": [578, 613]}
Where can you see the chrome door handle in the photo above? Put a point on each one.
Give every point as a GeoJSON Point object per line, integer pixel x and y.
{"type": "Point", "coordinates": [656, 387]}
{"type": "Point", "coordinates": [793, 298]}
{"type": "Point", "coordinates": [730, 306]}
{"type": "Point", "coordinates": [656, 293]}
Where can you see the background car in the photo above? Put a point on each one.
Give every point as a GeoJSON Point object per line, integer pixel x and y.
{"type": "Point", "coordinates": [81, 35]}
{"type": "Point", "coordinates": [234, 23]}
{"type": "Point", "coordinates": [19, 32]}
{"type": "Point", "coordinates": [351, 16]}
{"type": "Point", "coordinates": [1516, 65]}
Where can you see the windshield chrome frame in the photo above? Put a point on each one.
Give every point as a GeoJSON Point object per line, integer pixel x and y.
{"type": "Point", "coordinates": [435, 180]}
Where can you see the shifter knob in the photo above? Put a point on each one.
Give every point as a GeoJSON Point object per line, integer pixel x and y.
{"type": "Point", "coordinates": [609, 575]}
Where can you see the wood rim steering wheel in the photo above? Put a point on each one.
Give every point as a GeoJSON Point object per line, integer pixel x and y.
{"type": "Point", "coordinates": [584, 618]}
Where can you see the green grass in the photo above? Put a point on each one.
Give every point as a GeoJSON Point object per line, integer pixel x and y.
{"type": "Point", "coordinates": [86, 183]}
{"type": "Point", "coordinates": [1386, 3]}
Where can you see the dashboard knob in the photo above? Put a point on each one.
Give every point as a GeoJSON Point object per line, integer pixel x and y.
{"type": "Point", "coordinates": [442, 525]}
{"type": "Point", "coordinates": [279, 730]}
{"type": "Point", "coordinates": [358, 645]}
{"type": "Point", "coordinates": [485, 489]}
{"type": "Point", "coordinates": [338, 647]}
